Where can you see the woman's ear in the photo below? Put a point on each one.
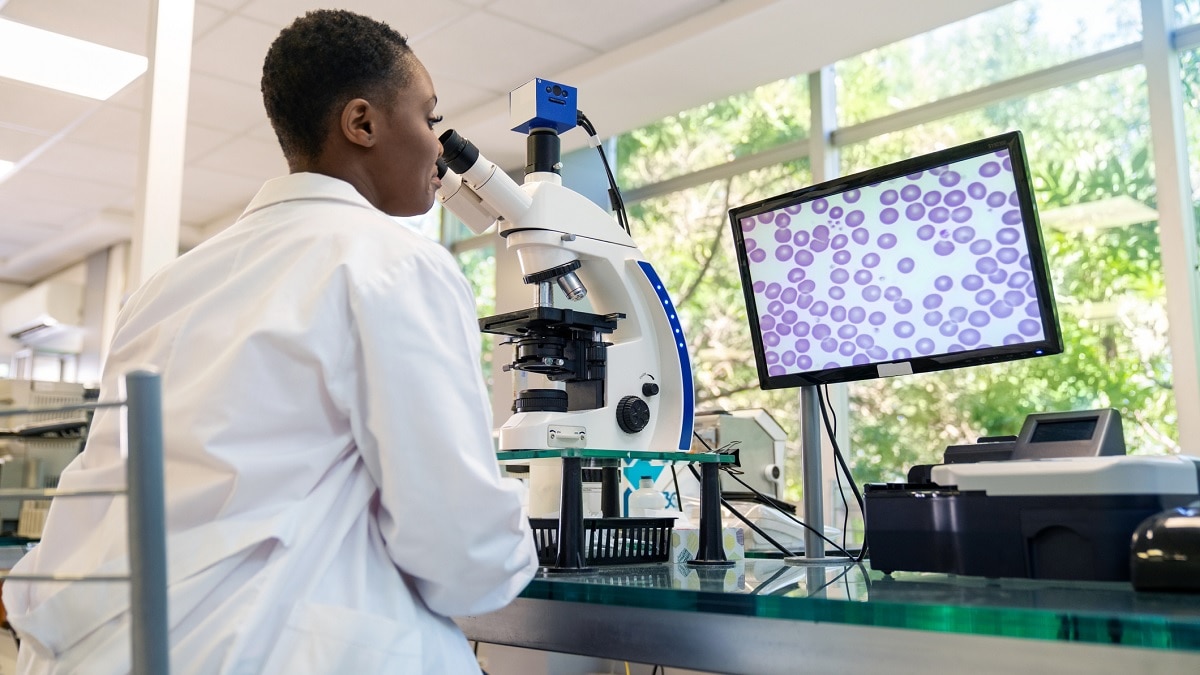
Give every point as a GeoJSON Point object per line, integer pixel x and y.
{"type": "Point", "coordinates": [357, 123]}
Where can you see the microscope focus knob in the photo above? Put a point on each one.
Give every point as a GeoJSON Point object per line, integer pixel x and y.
{"type": "Point", "coordinates": [633, 414]}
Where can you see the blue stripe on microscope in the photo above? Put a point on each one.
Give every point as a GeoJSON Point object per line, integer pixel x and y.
{"type": "Point", "coordinates": [685, 362]}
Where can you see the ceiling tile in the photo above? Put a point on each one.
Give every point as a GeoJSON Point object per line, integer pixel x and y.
{"type": "Point", "coordinates": [27, 234]}
{"type": "Point", "coordinates": [234, 50]}
{"type": "Point", "coordinates": [228, 5]}
{"type": "Point", "coordinates": [17, 207]}
{"type": "Point", "coordinates": [202, 140]}
{"type": "Point", "coordinates": [36, 185]}
{"type": "Point", "coordinates": [39, 109]}
{"type": "Point", "coordinates": [209, 194]}
{"type": "Point", "coordinates": [601, 27]}
{"type": "Point", "coordinates": [246, 157]}
{"type": "Point", "coordinates": [412, 19]}
{"type": "Point", "coordinates": [111, 127]}
{"type": "Point", "coordinates": [222, 104]}
{"type": "Point", "coordinates": [105, 166]}
{"type": "Point", "coordinates": [120, 25]}
{"type": "Point", "coordinates": [496, 53]}
{"type": "Point", "coordinates": [205, 19]}
{"type": "Point", "coordinates": [454, 97]}
{"type": "Point", "coordinates": [263, 132]}
{"type": "Point", "coordinates": [15, 144]}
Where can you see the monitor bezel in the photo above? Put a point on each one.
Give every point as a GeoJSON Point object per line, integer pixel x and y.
{"type": "Point", "coordinates": [1039, 268]}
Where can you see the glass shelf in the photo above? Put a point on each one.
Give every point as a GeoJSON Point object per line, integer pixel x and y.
{"type": "Point", "coordinates": [590, 453]}
{"type": "Point", "coordinates": [1091, 612]}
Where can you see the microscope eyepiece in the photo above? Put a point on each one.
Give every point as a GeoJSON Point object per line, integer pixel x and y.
{"type": "Point", "coordinates": [459, 153]}
{"type": "Point", "coordinates": [442, 168]}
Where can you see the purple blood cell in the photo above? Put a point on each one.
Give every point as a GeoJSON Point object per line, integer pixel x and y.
{"type": "Point", "coordinates": [955, 198]}
{"type": "Point", "coordinates": [939, 214]}
{"type": "Point", "coordinates": [801, 238]}
{"type": "Point", "coordinates": [977, 190]}
{"type": "Point", "coordinates": [963, 234]}
{"type": "Point", "coordinates": [986, 265]}
{"type": "Point", "coordinates": [747, 224]}
{"type": "Point", "coordinates": [958, 314]}
{"type": "Point", "coordinates": [1029, 327]}
{"type": "Point", "coordinates": [846, 348]}
{"type": "Point", "coordinates": [933, 318]}
{"type": "Point", "coordinates": [870, 260]}
{"type": "Point", "coordinates": [878, 353]}
{"type": "Point", "coordinates": [839, 276]}
{"type": "Point", "coordinates": [972, 282]}
{"type": "Point", "coordinates": [943, 248]}
{"type": "Point", "coordinates": [807, 286]}
{"type": "Point", "coordinates": [906, 265]}
{"type": "Point", "coordinates": [802, 345]}
{"type": "Point", "coordinates": [839, 242]}
{"type": "Point", "coordinates": [904, 329]}
{"type": "Point", "coordinates": [1018, 279]}
{"type": "Point", "coordinates": [855, 218]}
{"type": "Point", "coordinates": [1025, 262]}
{"type": "Point", "coordinates": [1006, 164]}
{"type": "Point", "coordinates": [948, 329]}
{"type": "Point", "coordinates": [804, 363]}
{"type": "Point", "coordinates": [1001, 310]}
{"type": "Point", "coordinates": [902, 306]}
{"type": "Point", "coordinates": [819, 245]}
{"type": "Point", "coordinates": [1032, 310]}
{"type": "Point", "coordinates": [996, 199]}
{"type": "Point", "coordinates": [979, 319]}
{"type": "Point", "coordinates": [932, 301]}
{"type": "Point", "coordinates": [1013, 339]}
{"type": "Point", "coordinates": [789, 317]}
{"type": "Point", "coordinates": [950, 178]}
{"type": "Point", "coordinates": [805, 301]}
{"type": "Point", "coordinates": [931, 198]}
{"type": "Point", "coordinates": [751, 244]}
{"type": "Point", "coordinates": [856, 314]}
{"type": "Point", "coordinates": [1012, 217]}
{"type": "Point", "coordinates": [766, 217]}
{"type": "Point", "coordinates": [969, 336]}
{"type": "Point", "coordinates": [783, 329]}
{"type": "Point", "coordinates": [766, 322]}
{"type": "Point", "coordinates": [1031, 289]}
{"type": "Point", "coordinates": [863, 277]}
{"type": "Point", "coordinates": [796, 274]}
{"type": "Point", "coordinates": [788, 296]}
{"type": "Point", "coordinates": [783, 253]}
{"type": "Point", "coordinates": [915, 211]}
{"type": "Point", "coordinates": [820, 206]}
{"type": "Point", "coordinates": [759, 286]}
{"type": "Point", "coordinates": [800, 329]}
{"type": "Point", "coordinates": [1013, 199]}
{"type": "Point", "coordinates": [886, 241]}
{"type": "Point", "coordinates": [821, 331]}
{"type": "Point", "coordinates": [776, 307]}
{"type": "Point", "coordinates": [900, 353]}
{"type": "Point", "coordinates": [794, 208]}
{"type": "Point", "coordinates": [820, 233]}
{"type": "Point", "coordinates": [757, 255]}
{"type": "Point", "coordinates": [926, 232]}
{"type": "Point", "coordinates": [819, 308]}
{"type": "Point", "coordinates": [864, 341]}
{"type": "Point", "coordinates": [789, 359]}
{"type": "Point", "coordinates": [871, 293]}
{"type": "Point", "coordinates": [829, 344]}
{"type": "Point", "coordinates": [961, 215]}
{"type": "Point", "coordinates": [1014, 298]}
{"type": "Point", "coordinates": [989, 169]}
{"type": "Point", "coordinates": [939, 170]}
{"type": "Point", "coordinates": [889, 216]}
{"type": "Point", "coordinates": [836, 212]}
{"type": "Point", "coordinates": [773, 290]}
{"type": "Point", "coordinates": [893, 293]}
{"type": "Point", "coordinates": [783, 220]}
{"type": "Point", "coordinates": [771, 339]}
{"type": "Point", "coordinates": [860, 236]}
{"type": "Point", "coordinates": [783, 236]}
{"type": "Point", "coordinates": [837, 293]}
{"type": "Point", "coordinates": [943, 283]}
{"type": "Point", "coordinates": [888, 197]}
{"type": "Point", "coordinates": [838, 314]}
{"type": "Point", "coordinates": [914, 176]}
{"type": "Point", "coordinates": [925, 346]}
{"type": "Point", "coordinates": [998, 276]}
{"type": "Point", "coordinates": [772, 357]}
{"type": "Point", "coordinates": [981, 246]}
{"type": "Point", "coordinates": [851, 196]}
{"type": "Point", "coordinates": [985, 297]}
{"type": "Point", "coordinates": [877, 319]}
{"type": "Point", "coordinates": [910, 193]}
{"type": "Point", "coordinates": [803, 258]}
{"type": "Point", "coordinates": [847, 331]}
{"type": "Point", "coordinates": [841, 257]}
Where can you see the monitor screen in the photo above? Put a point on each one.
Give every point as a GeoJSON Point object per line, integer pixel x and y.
{"type": "Point", "coordinates": [930, 263]}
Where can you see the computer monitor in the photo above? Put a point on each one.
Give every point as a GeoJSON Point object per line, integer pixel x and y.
{"type": "Point", "coordinates": [927, 264]}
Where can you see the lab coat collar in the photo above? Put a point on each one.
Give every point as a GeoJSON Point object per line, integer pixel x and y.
{"type": "Point", "coordinates": [304, 185]}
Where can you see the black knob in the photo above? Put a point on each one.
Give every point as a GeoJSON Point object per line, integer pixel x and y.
{"type": "Point", "coordinates": [649, 389]}
{"type": "Point", "coordinates": [633, 414]}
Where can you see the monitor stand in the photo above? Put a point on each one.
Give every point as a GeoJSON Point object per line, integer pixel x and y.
{"type": "Point", "coordinates": [810, 458]}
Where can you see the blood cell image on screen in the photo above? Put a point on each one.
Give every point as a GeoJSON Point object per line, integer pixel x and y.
{"type": "Point", "coordinates": [931, 263]}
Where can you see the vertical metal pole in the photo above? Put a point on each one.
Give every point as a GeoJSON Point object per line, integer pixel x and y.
{"type": "Point", "coordinates": [810, 449]}
{"type": "Point", "coordinates": [147, 523]}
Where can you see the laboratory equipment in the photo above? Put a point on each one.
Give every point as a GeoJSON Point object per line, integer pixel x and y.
{"type": "Point", "coordinates": [616, 377]}
{"type": "Point", "coordinates": [760, 444]}
{"type": "Point", "coordinates": [1165, 555]}
{"type": "Point", "coordinates": [930, 263]}
{"type": "Point", "coordinates": [647, 500]}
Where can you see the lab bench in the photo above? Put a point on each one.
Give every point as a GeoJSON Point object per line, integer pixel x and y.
{"type": "Point", "coordinates": [764, 616]}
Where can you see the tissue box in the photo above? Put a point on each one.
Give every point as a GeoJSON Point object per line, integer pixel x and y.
{"type": "Point", "coordinates": [685, 543]}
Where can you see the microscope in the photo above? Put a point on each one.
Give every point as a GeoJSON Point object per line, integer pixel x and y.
{"type": "Point", "coordinates": [617, 377]}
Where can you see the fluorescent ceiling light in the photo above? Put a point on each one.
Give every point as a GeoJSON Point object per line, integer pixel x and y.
{"type": "Point", "coordinates": [64, 63]}
{"type": "Point", "coordinates": [5, 167]}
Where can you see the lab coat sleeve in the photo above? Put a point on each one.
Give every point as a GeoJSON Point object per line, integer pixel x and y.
{"type": "Point", "coordinates": [422, 422]}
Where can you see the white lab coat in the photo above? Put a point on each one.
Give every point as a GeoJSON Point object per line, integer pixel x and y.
{"type": "Point", "coordinates": [332, 493]}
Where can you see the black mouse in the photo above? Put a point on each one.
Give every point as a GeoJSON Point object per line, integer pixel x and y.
{"type": "Point", "coordinates": [1165, 553]}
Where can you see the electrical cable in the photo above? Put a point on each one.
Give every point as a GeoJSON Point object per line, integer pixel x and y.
{"type": "Point", "coordinates": [837, 454]}
{"type": "Point", "coordinates": [738, 514]}
{"type": "Point", "coordinates": [837, 474]}
{"type": "Point", "coordinates": [614, 192]}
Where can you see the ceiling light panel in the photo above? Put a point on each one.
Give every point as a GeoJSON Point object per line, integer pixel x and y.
{"type": "Point", "coordinates": [55, 61]}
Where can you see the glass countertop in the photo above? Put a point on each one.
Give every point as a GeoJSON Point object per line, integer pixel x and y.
{"type": "Point", "coordinates": [1091, 612]}
{"type": "Point", "coordinates": [590, 453]}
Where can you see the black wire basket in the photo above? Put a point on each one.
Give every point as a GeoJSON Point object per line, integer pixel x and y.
{"type": "Point", "coordinates": [609, 541]}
